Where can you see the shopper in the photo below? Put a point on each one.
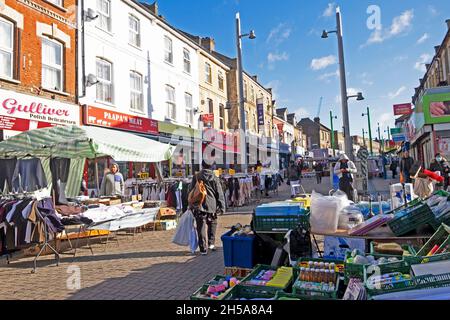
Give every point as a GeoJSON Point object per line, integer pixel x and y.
{"type": "Point", "coordinates": [393, 168]}
{"type": "Point", "coordinates": [345, 169]}
{"type": "Point", "coordinates": [405, 167]}
{"type": "Point", "coordinates": [318, 168]}
{"type": "Point", "coordinates": [293, 177]}
{"type": "Point", "coordinates": [438, 165]}
{"type": "Point", "coordinates": [214, 204]}
{"type": "Point", "coordinates": [112, 183]}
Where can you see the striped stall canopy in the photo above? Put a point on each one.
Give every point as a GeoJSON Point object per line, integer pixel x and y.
{"type": "Point", "coordinates": [85, 142]}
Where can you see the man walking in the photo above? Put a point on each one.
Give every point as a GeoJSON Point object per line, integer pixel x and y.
{"type": "Point", "coordinates": [294, 177]}
{"type": "Point", "coordinates": [405, 167]}
{"type": "Point", "coordinates": [318, 168]}
{"type": "Point", "coordinates": [206, 214]}
{"type": "Point", "coordinates": [393, 168]}
{"type": "Point", "coordinates": [345, 169]}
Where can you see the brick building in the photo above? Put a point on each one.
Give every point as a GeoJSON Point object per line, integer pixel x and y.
{"type": "Point", "coordinates": [37, 65]}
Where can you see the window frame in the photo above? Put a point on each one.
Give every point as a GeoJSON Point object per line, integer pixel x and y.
{"type": "Point", "coordinates": [189, 108]}
{"type": "Point", "coordinates": [11, 52]}
{"type": "Point", "coordinates": [173, 104]}
{"type": "Point", "coordinates": [105, 14]}
{"type": "Point", "coordinates": [245, 90]}
{"type": "Point", "coordinates": [210, 105]}
{"type": "Point", "coordinates": [135, 92]}
{"type": "Point", "coordinates": [136, 33]}
{"type": "Point", "coordinates": [58, 3]}
{"type": "Point", "coordinates": [102, 81]}
{"type": "Point", "coordinates": [168, 40]}
{"type": "Point", "coordinates": [221, 116]}
{"type": "Point", "coordinates": [252, 94]}
{"type": "Point", "coordinates": [208, 69]}
{"type": "Point", "coordinates": [53, 66]}
{"type": "Point", "coordinates": [187, 62]}
{"type": "Point", "coordinates": [221, 80]}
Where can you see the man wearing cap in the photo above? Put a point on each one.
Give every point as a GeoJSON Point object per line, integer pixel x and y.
{"type": "Point", "coordinates": [345, 169]}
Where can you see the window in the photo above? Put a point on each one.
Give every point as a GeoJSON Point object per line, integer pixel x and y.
{"type": "Point", "coordinates": [6, 48]}
{"type": "Point", "coordinates": [52, 65]}
{"type": "Point", "coordinates": [137, 95]}
{"type": "Point", "coordinates": [189, 110]}
{"type": "Point", "coordinates": [245, 90]}
{"type": "Point", "coordinates": [252, 94]}
{"type": "Point", "coordinates": [255, 123]}
{"type": "Point", "coordinates": [104, 14]}
{"type": "Point", "coordinates": [105, 82]}
{"type": "Point", "coordinates": [168, 50]}
{"type": "Point", "coordinates": [57, 2]}
{"type": "Point", "coordinates": [222, 116]}
{"type": "Point", "coordinates": [187, 61]}
{"type": "Point", "coordinates": [171, 111]}
{"type": "Point", "coordinates": [208, 75]}
{"type": "Point", "coordinates": [134, 31]}
{"type": "Point", "coordinates": [221, 80]}
{"type": "Point", "coordinates": [210, 106]}
{"type": "Point", "coordinates": [246, 120]}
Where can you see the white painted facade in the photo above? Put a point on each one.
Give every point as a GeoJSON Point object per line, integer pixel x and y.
{"type": "Point", "coordinates": [147, 59]}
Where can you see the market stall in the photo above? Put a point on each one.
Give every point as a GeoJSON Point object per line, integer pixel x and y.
{"type": "Point", "coordinates": [39, 148]}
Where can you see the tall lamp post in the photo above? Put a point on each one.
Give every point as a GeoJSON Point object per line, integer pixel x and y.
{"type": "Point", "coordinates": [332, 117]}
{"type": "Point", "coordinates": [364, 137]}
{"type": "Point", "coordinates": [344, 96]}
{"type": "Point", "coordinates": [370, 130]}
{"type": "Point", "coordinates": [388, 131]}
{"type": "Point", "coordinates": [239, 37]}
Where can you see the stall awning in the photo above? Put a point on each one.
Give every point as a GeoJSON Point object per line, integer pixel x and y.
{"type": "Point", "coordinates": [85, 142]}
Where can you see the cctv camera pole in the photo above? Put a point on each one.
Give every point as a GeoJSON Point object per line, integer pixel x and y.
{"type": "Point", "coordinates": [370, 132]}
{"type": "Point", "coordinates": [241, 94]}
{"type": "Point", "coordinates": [344, 98]}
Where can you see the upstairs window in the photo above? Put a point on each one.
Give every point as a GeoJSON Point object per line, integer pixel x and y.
{"type": "Point", "coordinates": [52, 65]}
{"type": "Point", "coordinates": [221, 80]}
{"type": "Point", "coordinates": [187, 61]}
{"type": "Point", "coordinates": [134, 31]}
{"type": "Point", "coordinates": [6, 48]}
{"type": "Point", "coordinates": [105, 82]}
{"type": "Point", "coordinates": [171, 107]}
{"type": "Point", "coordinates": [136, 92]}
{"type": "Point", "coordinates": [208, 75]}
{"type": "Point", "coordinates": [104, 14]}
{"type": "Point", "coordinates": [168, 50]}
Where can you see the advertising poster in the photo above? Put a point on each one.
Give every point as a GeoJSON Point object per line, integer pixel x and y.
{"type": "Point", "coordinates": [436, 107]}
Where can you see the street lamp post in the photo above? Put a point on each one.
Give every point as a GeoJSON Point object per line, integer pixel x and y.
{"type": "Point", "coordinates": [239, 37]}
{"type": "Point", "coordinates": [364, 137]}
{"type": "Point", "coordinates": [332, 132]}
{"type": "Point", "coordinates": [370, 130]}
{"type": "Point", "coordinates": [344, 97]}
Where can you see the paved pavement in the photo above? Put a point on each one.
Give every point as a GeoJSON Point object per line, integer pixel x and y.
{"type": "Point", "coordinates": [147, 266]}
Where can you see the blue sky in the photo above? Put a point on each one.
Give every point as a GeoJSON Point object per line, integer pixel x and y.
{"type": "Point", "coordinates": [289, 55]}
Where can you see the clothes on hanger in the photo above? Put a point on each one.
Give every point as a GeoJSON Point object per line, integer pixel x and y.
{"type": "Point", "coordinates": [7, 167]}
{"type": "Point", "coordinates": [29, 175]}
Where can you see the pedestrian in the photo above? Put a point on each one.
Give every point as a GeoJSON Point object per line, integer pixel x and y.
{"type": "Point", "coordinates": [405, 167]}
{"type": "Point", "coordinates": [214, 204]}
{"type": "Point", "coordinates": [384, 161]}
{"type": "Point", "coordinates": [438, 165]}
{"type": "Point", "coordinates": [393, 168]}
{"type": "Point", "coordinates": [293, 177]}
{"type": "Point", "coordinates": [318, 168]}
{"type": "Point", "coordinates": [112, 183]}
{"type": "Point", "coordinates": [345, 169]}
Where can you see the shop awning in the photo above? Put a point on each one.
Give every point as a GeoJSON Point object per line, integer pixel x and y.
{"type": "Point", "coordinates": [85, 142]}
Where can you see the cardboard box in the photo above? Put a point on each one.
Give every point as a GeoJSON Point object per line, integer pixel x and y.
{"type": "Point", "coordinates": [166, 225]}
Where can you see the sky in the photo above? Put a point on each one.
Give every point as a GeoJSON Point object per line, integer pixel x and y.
{"type": "Point", "coordinates": [386, 45]}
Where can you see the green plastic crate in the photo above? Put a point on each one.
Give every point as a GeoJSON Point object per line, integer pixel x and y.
{"type": "Point", "coordinates": [421, 260]}
{"type": "Point", "coordinates": [280, 223]}
{"type": "Point", "coordinates": [323, 295]}
{"type": "Point", "coordinates": [405, 247]}
{"type": "Point", "coordinates": [204, 288]}
{"type": "Point", "coordinates": [417, 216]}
{"type": "Point", "coordinates": [441, 238]}
{"type": "Point", "coordinates": [240, 292]}
{"type": "Point", "coordinates": [262, 289]}
{"type": "Point", "coordinates": [280, 295]}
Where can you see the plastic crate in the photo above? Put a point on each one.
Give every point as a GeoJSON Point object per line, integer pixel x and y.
{"type": "Point", "coordinates": [415, 217]}
{"type": "Point", "coordinates": [324, 295]}
{"type": "Point", "coordinates": [247, 293]}
{"type": "Point", "coordinates": [204, 288]}
{"type": "Point", "coordinates": [262, 289]}
{"type": "Point", "coordinates": [237, 272]}
{"type": "Point", "coordinates": [416, 283]}
{"type": "Point", "coordinates": [405, 247]}
{"type": "Point", "coordinates": [280, 223]}
{"type": "Point", "coordinates": [280, 295]}
{"type": "Point", "coordinates": [421, 260]}
{"type": "Point", "coordinates": [340, 265]}
{"type": "Point", "coordinates": [440, 238]}
{"type": "Point", "coordinates": [281, 208]}
{"type": "Point", "coordinates": [238, 251]}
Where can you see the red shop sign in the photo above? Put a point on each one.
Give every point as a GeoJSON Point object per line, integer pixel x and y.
{"type": "Point", "coordinates": [402, 109]}
{"type": "Point", "coordinates": [17, 124]}
{"type": "Point", "coordinates": [111, 119]}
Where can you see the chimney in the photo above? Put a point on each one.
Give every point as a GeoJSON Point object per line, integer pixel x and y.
{"type": "Point", "coordinates": [209, 44]}
{"type": "Point", "coordinates": [428, 65]}
{"type": "Point", "coordinates": [448, 23]}
{"type": "Point", "coordinates": [317, 120]}
{"type": "Point", "coordinates": [255, 78]}
{"type": "Point", "coordinates": [154, 8]}
{"type": "Point", "coordinates": [436, 49]}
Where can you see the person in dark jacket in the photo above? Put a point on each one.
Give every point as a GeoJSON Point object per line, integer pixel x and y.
{"type": "Point", "coordinates": [206, 215]}
{"type": "Point", "coordinates": [405, 166]}
{"type": "Point", "coordinates": [439, 165]}
{"type": "Point", "coordinates": [318, 168]}
{"type": "Point", "coordinates": [393, 168]}
{"type": "Point", "coordinates": [294, 174]}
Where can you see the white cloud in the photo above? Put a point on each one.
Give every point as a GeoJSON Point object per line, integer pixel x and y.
{"type": "Point", "coordinates": [327, 76]}
{"type": "Point", "coordinates": [423, 59]}
{"type": "Point", "coordinates": [274, 57]}
{"type": "Point", "coordinates": [385, 120]}
{"type": "Point", "coordinates": [302, 113]}
{"type": "Point", "coordinates": [322, 63]}
{"type": "Point", "coordinates": [330, 10]}
{"type": "Point", "coordinates": [432, 10]}
{"type": "Point", "coordinates": [400, 25]}
{"type": "Point", "coordinates": [400, 58]}
{"type": "Point", "coordinates": [423, 38]}
{"type": "Point", "coordinates": [279, 34]}
{"type": "Point", "coordinates": [393, 95]}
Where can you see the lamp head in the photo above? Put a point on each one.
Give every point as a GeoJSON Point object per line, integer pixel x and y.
{"type": "Point", "coordinates": [252, 35]}
{"type": "Point", "coordinates": [324, 34]}
{"type": "Point", "coordinates": [360, 96]}
{"type": "Point", "coordinates": [228, 106]}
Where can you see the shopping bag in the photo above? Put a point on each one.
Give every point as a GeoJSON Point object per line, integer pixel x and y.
{"type": "Point", "coordinates": [182, 235]}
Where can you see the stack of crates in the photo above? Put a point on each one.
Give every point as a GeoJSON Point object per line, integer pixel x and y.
{"type": "Point", "coordinates": [280, 217]}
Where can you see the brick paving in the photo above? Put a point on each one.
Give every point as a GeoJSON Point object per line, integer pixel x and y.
{"type": "Point", "coordinates": [147, 266]}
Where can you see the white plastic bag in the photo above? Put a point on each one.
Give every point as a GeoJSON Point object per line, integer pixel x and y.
{"type": "Point", "coordinates": [325, 211]}
{"type": "Point", "coordinates": [183, 234]}
{"type": "Point", "coordinates": [350, 217]}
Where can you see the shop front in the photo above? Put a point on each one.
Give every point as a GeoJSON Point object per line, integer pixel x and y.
{"type": "Point", "coordinates": [148, 128]}
{"type": "Point", "coordinates": [20, 112]}
{"type": "Point", "coordinates": [225, 144]}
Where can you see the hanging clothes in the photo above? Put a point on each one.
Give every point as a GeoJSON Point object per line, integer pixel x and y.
{"type": "Point", "coordinates": [60, 169]}
{"type": "Point", "coordinates": [29, 175]}
{"type": "Point", "coordinates": [7, 167]}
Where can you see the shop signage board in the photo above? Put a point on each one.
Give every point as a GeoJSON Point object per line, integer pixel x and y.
{"type": "Point", "coordinates": [126, 122]}
{"type": "Point", "coordinates": [399, 138]}
{"type": "Point", "coordinates": [436, 106]}
{"type": "Point", "coordinates": [396, 131]}
{"type": "Point", "coordinates": [260, 108]}
{"type": "Point", "coordinates": [208, 119]}
{"type": "Point", "coordinates": [402, 109]}
{"type": "Point", "coordinates": [20, 112]}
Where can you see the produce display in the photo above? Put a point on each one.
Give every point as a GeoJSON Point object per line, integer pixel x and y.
{"type": "Point", "coordinates": [317, 277]}
{"type": "Point", "coordinates": [359, 258]}
{"type": "Point", "coordinates": [390, 279]}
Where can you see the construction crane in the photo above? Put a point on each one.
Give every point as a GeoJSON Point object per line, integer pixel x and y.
{"type": "Point", "coordinates": [320, 107]}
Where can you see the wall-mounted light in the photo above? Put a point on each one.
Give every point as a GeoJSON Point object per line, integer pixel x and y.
{"type": "Point", "coordinates": [91, 80]}
{"type": "Point", "coordinates": [91, 14]}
